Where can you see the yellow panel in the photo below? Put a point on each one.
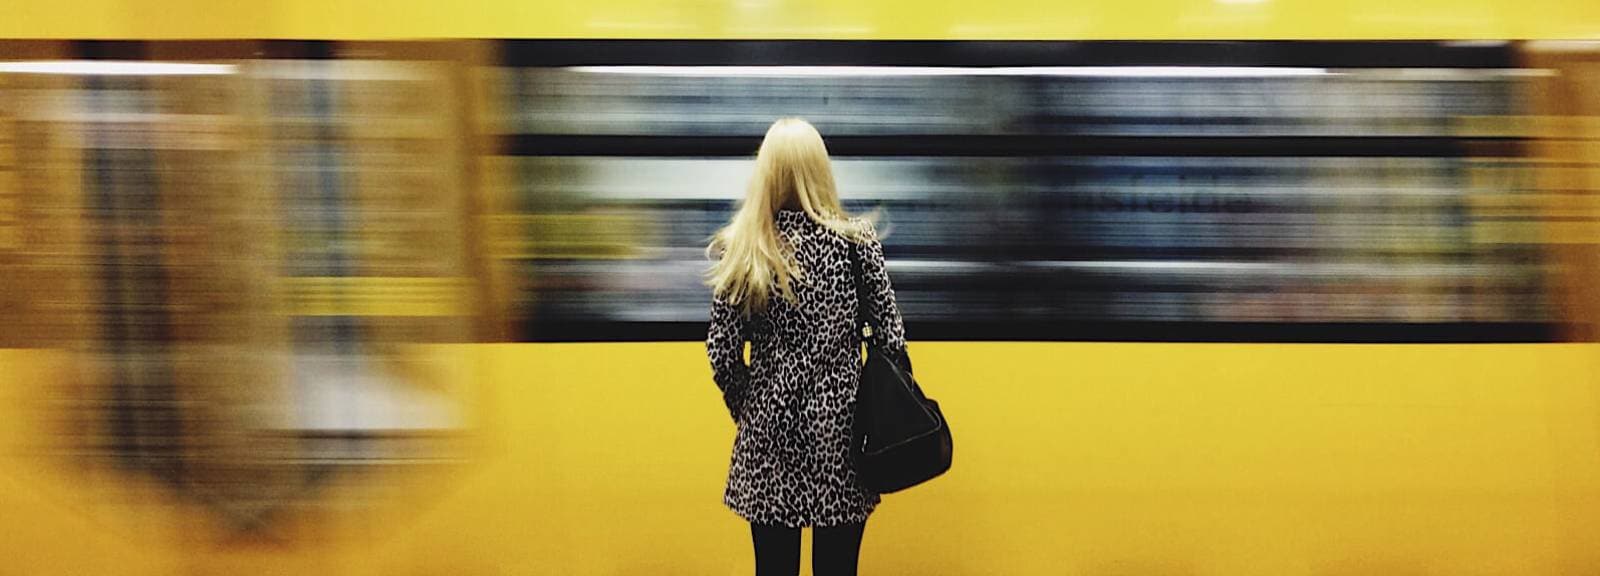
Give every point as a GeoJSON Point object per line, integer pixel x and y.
{"type": "Point", "coordinates": [786, 19]}
{"type": "Point", "coordinates": [1196, 459]}
{"type": "Point", "coordinates": [1071, 458]}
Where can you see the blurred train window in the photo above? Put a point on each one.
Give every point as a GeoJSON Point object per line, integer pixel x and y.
{"type": "Point", "coordinates": [1053, 200]}
{"type": "Point", "coordinates": [255, 260]}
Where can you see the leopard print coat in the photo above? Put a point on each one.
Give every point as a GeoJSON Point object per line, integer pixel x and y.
{"type": "Point", "coordinates": [794, 402]}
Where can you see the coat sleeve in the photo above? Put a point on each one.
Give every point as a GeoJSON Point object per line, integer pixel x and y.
{"type": "Point", "coordinates": [725, 341]}
{"type": "Point", "coordinates": [889, 332]}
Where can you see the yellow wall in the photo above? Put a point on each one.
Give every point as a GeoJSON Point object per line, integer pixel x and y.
{"type": "Point", "coordinates": [1096, 459]}
{"type": "Point", "coordinates": [844, 19]}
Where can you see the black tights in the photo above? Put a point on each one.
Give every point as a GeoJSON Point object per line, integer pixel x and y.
{"type": "Point", "coordinates": [834, 550]}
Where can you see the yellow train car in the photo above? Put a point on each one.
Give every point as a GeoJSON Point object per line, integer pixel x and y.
{"type": "Point", "coordinates": [287, 305]}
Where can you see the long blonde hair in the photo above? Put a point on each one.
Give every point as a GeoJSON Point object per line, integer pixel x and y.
{"type": "Point", "coordinates": [792, 171]}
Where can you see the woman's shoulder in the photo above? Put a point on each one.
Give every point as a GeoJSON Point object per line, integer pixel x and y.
{"type": "Point", "coordinates": [852, 229]}
{"type": "Point", "coordinates": [866, 227]}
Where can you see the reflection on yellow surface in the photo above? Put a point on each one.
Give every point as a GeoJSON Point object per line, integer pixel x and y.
{"type": "Point", "coordinates": [567, 236]}
{"type": "Point", "coordinates": [377, 296]}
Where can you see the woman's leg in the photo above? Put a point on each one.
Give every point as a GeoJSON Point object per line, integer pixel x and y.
{"type": "Point", "coordinates": [836, 550]}
{"type": "Point", "coordinates": [777, 550]}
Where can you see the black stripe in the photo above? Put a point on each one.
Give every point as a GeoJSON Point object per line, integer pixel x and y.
{"type": "Point", "coordinates": [1235, 332]}
{"type": "Point", "coordinates": [1022, 145]}
{"type": "Point", "coordinates": [1332, 54]}
{"type": "Point", "coordinates": [1337, 54]}
{"type": "Point", "coordinates": [266, 49]}
{"type": "Point", "coordinates": [299, 49]}
{"type": "Point", "coordinates": [109, 50]}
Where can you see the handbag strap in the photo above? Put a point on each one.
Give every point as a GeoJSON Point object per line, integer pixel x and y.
{"type": "Point", "coordinates": [864, 320]}
{"type": "Point", "coordinates": [863, 315]}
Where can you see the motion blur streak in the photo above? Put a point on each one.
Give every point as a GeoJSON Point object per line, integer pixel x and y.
{"type": "Point", "coordinates": [1287, 196]}
{"type": "Point", "coordinates": [247, 258]}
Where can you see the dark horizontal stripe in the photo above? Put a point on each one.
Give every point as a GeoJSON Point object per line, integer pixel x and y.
{"type": "Point", "coordinates": [109, 49]}
{"type": "Point", "coordinates": [1017, 146]}
{"type": "Point", "coordinates": [1238, 332]}
{"type": "Point", "coordinates": [299, 49]}
{"type": "Point", "coordinates": [1333, 54]}
{"type": "Point", "coordinates": [264, 49]}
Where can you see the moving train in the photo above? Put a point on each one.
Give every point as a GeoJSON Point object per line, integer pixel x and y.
{"type": "Point", "coordinates": [391, 306]}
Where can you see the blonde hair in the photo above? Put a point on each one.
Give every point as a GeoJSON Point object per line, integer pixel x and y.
{"type": "Point", "coordinates": [792, 171]}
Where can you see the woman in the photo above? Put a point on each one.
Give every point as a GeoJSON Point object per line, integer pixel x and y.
{"type": "Point", "coordinates": [783, 281]}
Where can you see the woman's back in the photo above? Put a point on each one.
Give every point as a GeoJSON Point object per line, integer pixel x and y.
{"type": "Point", "coordinates": [795, 403]}
{"type": "Point", "coordinates": [820, 319]}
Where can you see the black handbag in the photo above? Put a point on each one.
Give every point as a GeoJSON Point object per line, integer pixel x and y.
{"type": "Point", "coordinates": [900, 435]}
